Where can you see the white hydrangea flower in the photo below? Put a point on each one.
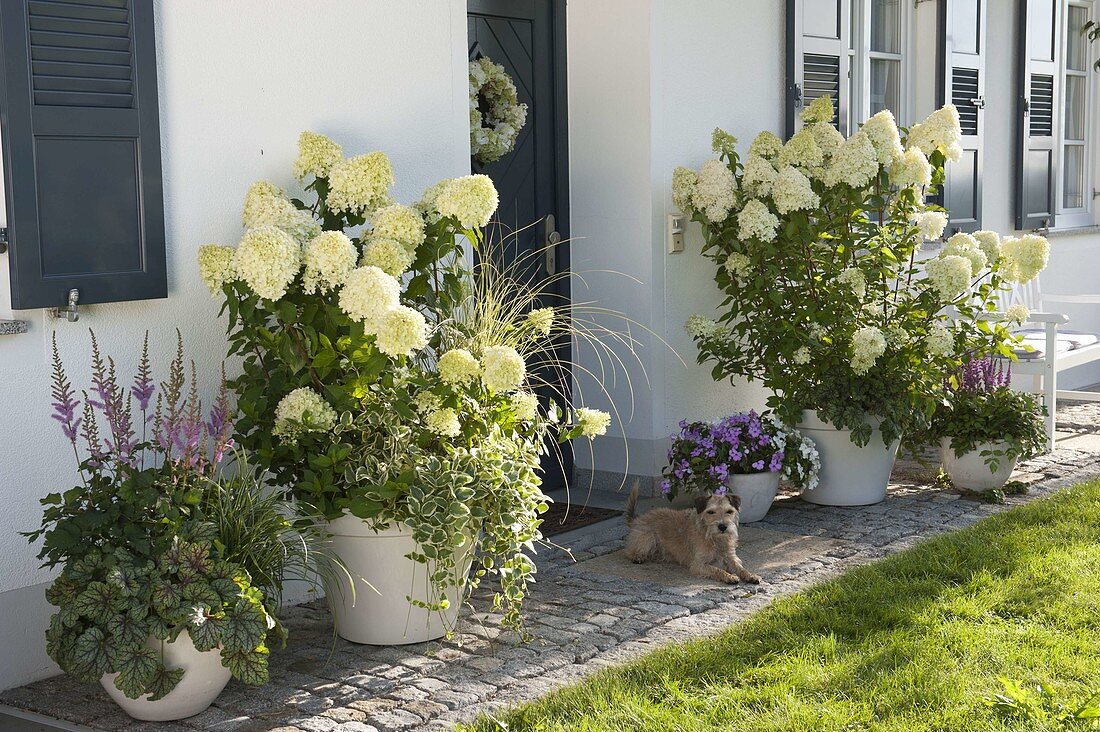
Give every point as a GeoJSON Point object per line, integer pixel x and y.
{"type": "Point", "coordinates": [1025, 257]}
{"type": "Point", "coordinates": [1017, 314]}
{"type": "Point", "coordinates": [444, 422]}
{"type": "Point", "coordinates": [266, 204]}
{"type": "Point", "coordinates": [593, 422]}
{"type": "Point", "coordinates": [766, 145]}
{"type": "Point", "coordinates": [426, 205]}
{"type": "Point", "coordinates": [267, 260]}
{"type": "Point", "coordinates": [471, 199]}
{"type": "Point", "coordinates": [526, 406]}
{"type": "Point", "coordinates": [949, 275]}
{"type": "Point", "coordinates": [882, 130]}
{"type": "Point", "coordinates": [329, 258]}
{"type": "Point", "coordinates": [715, 191]}
{"type": "Point", "coordinates": [820, 110]}
{"type": "Point", "coordinates": [723, 143]}
{"type": "Point", "coordinates": [854, 164]}
{"type": "Point", "coordinates": [939, 131]}
{"type": "Point", "coordinates": [965, 245]}
{"type": "Point", "coordinates": [756, 221]}
{"type": "Point", "coordinates": [758, 175]}
{"type": "Point", "coordinates": [802, 355]}
{"type": "Point", "coordinates": [368, 293]}
{"type": "Point", "coordinates": [683, 188]}
{"type": "Point", "coordinates": [216, 266]}
{"type": "Point", "coordinates": [802, 150]}
{"type": "Point", "coordinates": [425, 402]}
{"type": "Point", "coordinates": [930, 224]}
{"type": "Point", "coordinates": [361, 183]}
{"type": "Point", "coordinates": [792, 192]}
{"type": "Point", "coordinates": [388, 255]}
{"type": "Point", "coordinates": [702, 328]}
{"type": "Point", "coordinates": [398, 222]}
{"type": "Point", "coordinates": [827, 137]}
{"type": "Point", "coordinates": [302, 410]}
{"type": "Point", "coordinates": [854, 280]}
{"type": "Point", "coordinates": [897, 336]}
{"type": "Point", "coordinates": [458, 366]}
{"type": "Point", "coordinates": [316, 155]}
{"type": "Point", "coordinates": [401, 331]}
{"type": "Point", "coordinates": [940, 342]}
{"type": "Point", "coordinates": [868, 344]}
{"type": "Point", "coordinates": [738, 265]}
{"type": "Point", "coordinates": [503, 369]}
{"type": "Point", "coordinates": [911, 168]}
{"type": "Point", "coordinates": [990, 243]}
{"type": "Point", "coordinates": [541, 320]}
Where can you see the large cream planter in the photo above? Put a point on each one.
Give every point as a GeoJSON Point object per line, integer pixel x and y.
{"type": "Point", "coordinates": [756, 491]}
{"type": "Point", "coordinates": [378, 613]}
{"type": "Point", "coordinates": [204, 677]}
{"type": "Point", "coordinates": [850, 475]}
{"type": "Point", "coordinates": [969, 470]}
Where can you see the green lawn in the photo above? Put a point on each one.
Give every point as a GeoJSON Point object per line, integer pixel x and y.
{"type": "Point", "coordinates": [909, 643]}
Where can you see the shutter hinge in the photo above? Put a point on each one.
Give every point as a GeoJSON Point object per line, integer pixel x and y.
{"type": "Point", "coordinates": [3, 239]}
{"type": "Point", "coordinates": [796, 93]}
{"type": "Point", "coordinates": [1043, 229]}
{"type": "Point", "coordinates": [70, 312]}
{"type": "Point", "coordinates": [978, 102]}
{"type": "Point", "coordinates": [1027, 106]}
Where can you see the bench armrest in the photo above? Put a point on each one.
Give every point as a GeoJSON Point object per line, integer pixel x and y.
{"type": "Point", "coordinates": [1072, 299]}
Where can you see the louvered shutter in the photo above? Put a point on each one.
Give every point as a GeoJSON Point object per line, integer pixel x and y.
{"type": "Point", "coordinates": [817, 58]}
{"type": "Point", "coordinates": [962, 83]}
{"type": "Point", "coordinates": [82, 151]}
{"type": "Point", "coordinates": [1036, 120]}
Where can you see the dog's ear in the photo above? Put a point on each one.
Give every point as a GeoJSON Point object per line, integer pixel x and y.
{"type": "Point", "coordinates": [701, 503]}
{"type": "Point", "coordinates": [735, 500]}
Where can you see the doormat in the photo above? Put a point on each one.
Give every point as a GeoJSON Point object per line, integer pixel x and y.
{"type": "Point", "coordinates": [562, 517]}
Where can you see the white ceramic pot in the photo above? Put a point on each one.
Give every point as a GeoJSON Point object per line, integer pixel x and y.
{"type": "Point", "coordinates": [970, 471]}
{"type": "Point", "coordinates": [204, 677]}
{"type": "Point", "coordinates": [378, 612]}
{"type": "Point", "coordinates": [757, 491]}
{"type": "Point", "coordinates": [850, 475]}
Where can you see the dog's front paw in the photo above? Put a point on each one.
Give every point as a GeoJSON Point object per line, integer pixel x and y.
{"type": "Point", "coordinates": [731, 579]}
{"type": "Point", "coordinates": [752, 578]}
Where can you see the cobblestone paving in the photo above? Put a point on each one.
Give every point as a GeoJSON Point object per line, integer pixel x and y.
{"type": "Point", "coordinates": [582, 620]}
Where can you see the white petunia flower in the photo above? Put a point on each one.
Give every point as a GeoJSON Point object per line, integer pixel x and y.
{"type": "Point", "coordinates": [458, 366]}
{"type": "Point", "coordinates": [471, 199]}
{"type": "Point", "coordinates": [715, 191]}
{"type": "Point", "coordinates": [368, 293]}
{"type": "Point", "coordinates": [360, 184]}
{"type": "Point", "coordinates": [503, 369]}
{"type": "Point", "coordinates": [868, 344]}
{"type": "Point", "coordinates": [316, 155]}
{"type": "Point", "coordinates": [757, 222]}
{"type": "Point", "coordinates": [216, 266]}
{"type": "Point", "coordinates": [388, 255]}
{"type": "Point", "coordinates": [401, 331]}
{"type": "Point", "coordinates": [792, 192]}
{"type": "Point", "coordinates": [329, 258]}
{"type": "Point", "coordinates": [302, 410]}
{"type": "Point", "coordinates": [949, 275]}
{"type": "Point", "coordinates": [267, 260]}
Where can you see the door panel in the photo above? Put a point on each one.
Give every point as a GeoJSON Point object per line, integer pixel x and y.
{"type": "Point", "coordinates": [527, 38]}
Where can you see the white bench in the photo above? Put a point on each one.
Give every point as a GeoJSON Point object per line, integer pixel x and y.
{"type": "Point", "coordinates": [1054, 349]}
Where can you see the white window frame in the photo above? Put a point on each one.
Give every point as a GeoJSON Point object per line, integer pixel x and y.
{"type": "Point", "coordinates": [860, 56]}
{"type": "Point", "coordinates": [1073, 218]}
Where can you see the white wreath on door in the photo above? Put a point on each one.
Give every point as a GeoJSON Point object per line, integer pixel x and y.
{"type": "Point", "coordinates": [496, 116]}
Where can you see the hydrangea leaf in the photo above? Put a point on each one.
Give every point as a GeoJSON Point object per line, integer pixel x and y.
{"type": "Point", "coordinates": [248, 666]}
{"type": "Point", "coordinates": [243, 628]}
{"type": "Point", "coordinates": [136, 666]}
{"type": "Point", "coordinates": [92, 654]}
{"type": "Point", "coordinates": [99, 602]}
{"type": "Point", "coordinates": [164, 680]}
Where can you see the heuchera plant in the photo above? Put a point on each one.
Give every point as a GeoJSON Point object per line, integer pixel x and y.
{"type": "Point", "coordinates": [980, 407]}
{"type": "Point", "coordinates": [704, 456]}
{"type": "Point", "coordinates": [140, 563]}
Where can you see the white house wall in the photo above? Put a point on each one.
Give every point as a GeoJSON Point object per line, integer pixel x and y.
{"type": "Point", "coordinates": [238, 82]}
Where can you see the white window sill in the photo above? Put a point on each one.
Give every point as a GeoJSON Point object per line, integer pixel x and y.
{"type": "Point", "coordinates": [1074, 231]}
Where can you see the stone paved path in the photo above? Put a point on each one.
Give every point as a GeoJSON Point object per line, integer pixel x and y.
{"type": "Point", "coordinates": [586, 614]}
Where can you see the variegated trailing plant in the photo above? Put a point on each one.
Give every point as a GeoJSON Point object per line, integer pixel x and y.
{"type": "Point", "coordinates": [147, 545]}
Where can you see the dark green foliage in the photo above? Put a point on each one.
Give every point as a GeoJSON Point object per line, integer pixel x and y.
{"type": "Point", "coordinates": [970, 418]}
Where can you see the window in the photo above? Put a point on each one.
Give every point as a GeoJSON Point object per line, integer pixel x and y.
{"type": "Point", "coordinates": [882, 72]}
{"type": "Point", "coordinates": [1075, 195]}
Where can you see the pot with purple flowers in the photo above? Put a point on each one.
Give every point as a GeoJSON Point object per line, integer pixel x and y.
{"type": "Point", "coordinates": [746, 454]}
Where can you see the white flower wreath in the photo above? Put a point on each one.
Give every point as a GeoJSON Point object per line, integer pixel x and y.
{"type": "Point", "coordinates": [496, 116]}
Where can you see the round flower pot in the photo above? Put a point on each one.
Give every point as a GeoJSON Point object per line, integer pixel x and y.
{"type": "Point", "coordinates": [204, 677]}
{"type": "Point", "coordinates": [850, 475]}
{"type": "Point", "coordinates": [970, 472]}
{"type": "Point", "coordinates": [378, 612]}
{"type": "Point", "coordinates": [757, 491]}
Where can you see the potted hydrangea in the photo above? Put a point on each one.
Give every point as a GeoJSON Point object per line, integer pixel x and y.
{"type": "Point", "coordinates": [985, 427]}
{"type": "Point", "coordinates": [390, 385]}
{"type": "Point", "coordinates": [745, 454]}
{"type": "Point", "coordinates": [827, 300]}
{"type": "Point", "coordinates": [171, 573]}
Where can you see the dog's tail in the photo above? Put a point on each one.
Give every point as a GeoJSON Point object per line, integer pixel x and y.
{"type": "Point", "coordinates": [631, 506]}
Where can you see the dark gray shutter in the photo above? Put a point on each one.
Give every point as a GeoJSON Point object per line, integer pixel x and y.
{"type": "Point", "coordinates": [962, 83]}
{"type": "Point", "coordinates": [1037, 117]}
{"type": "Point", "coordinates": [81, 145]}
{"type": "Point", "coordinates": [817, 58]}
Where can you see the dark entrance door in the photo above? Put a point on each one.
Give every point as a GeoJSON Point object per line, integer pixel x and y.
{"type": "Point", "coordinates": [527, 38]}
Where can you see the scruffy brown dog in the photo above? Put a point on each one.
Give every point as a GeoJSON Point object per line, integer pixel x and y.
{"type": "Point", "coordinates": [703, 539]}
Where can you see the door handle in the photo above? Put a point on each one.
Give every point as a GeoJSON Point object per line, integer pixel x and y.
{"type": "Point", "coordinates": [550, 245]}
